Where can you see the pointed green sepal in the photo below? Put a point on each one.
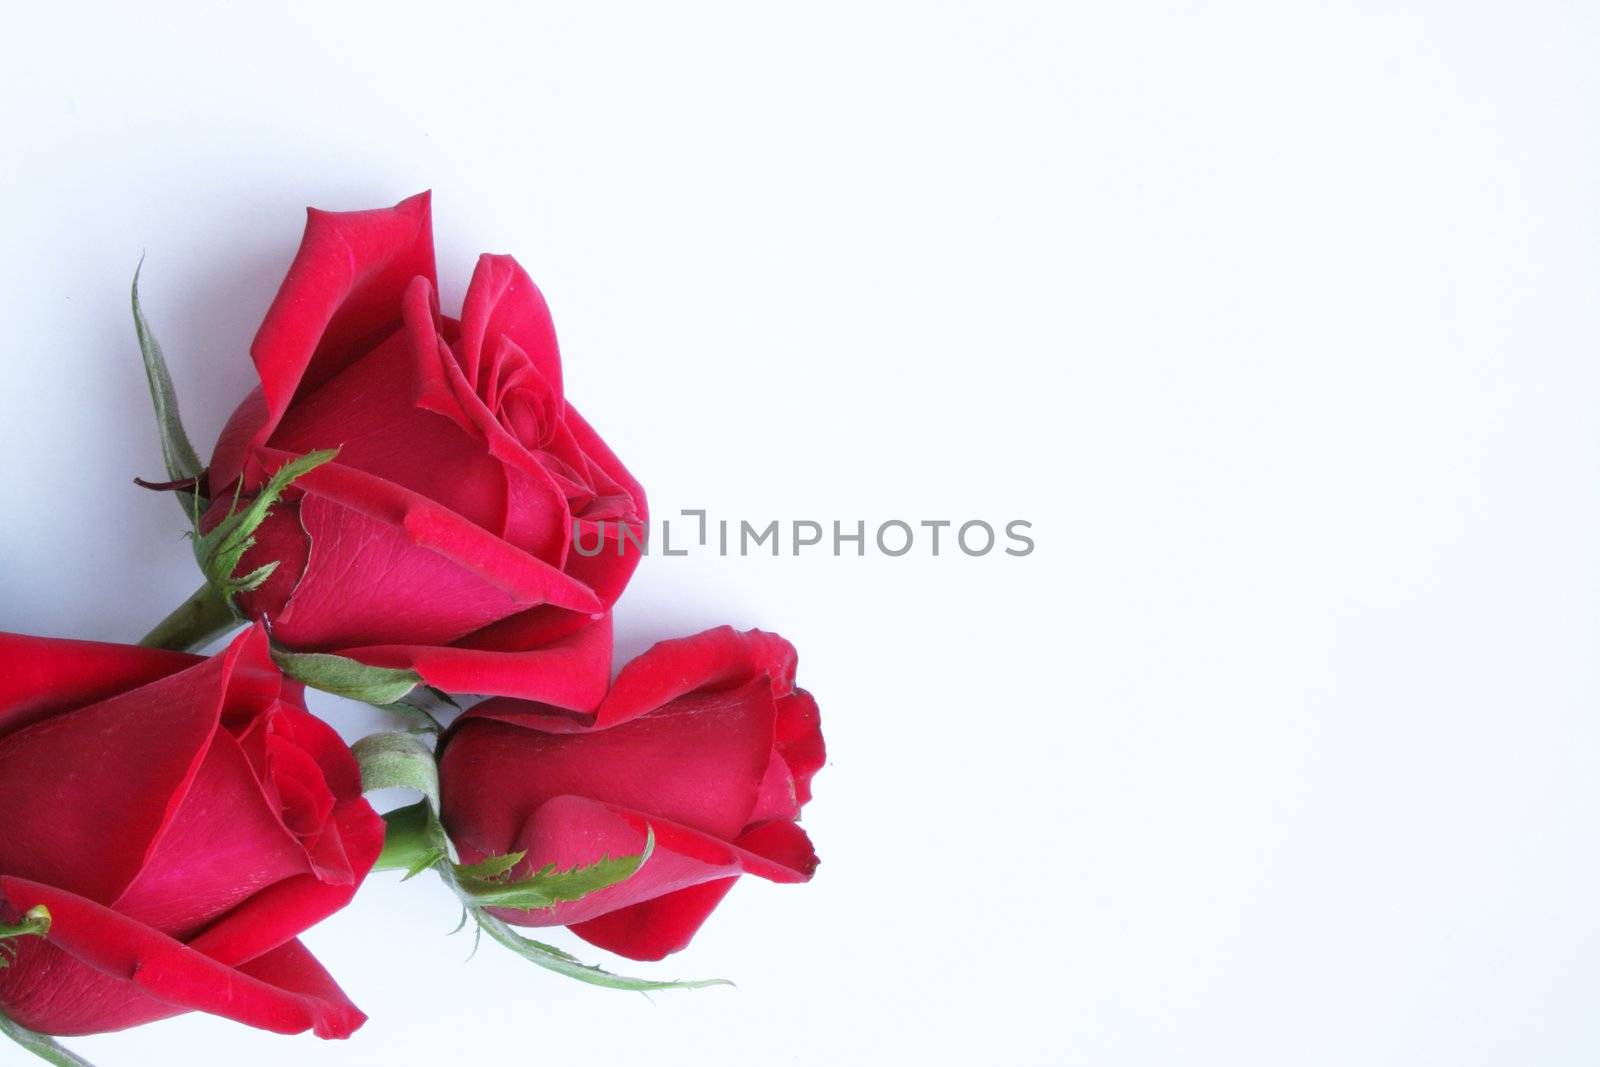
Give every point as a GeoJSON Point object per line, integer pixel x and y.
{"type": "Point", "coordinates": [491, 868]}
{"type": "Point", "coordinates": [35, 922]}
{"type": "Point", "coordinates": [415, 840]}
{"type": "Point", "coordinates": [177, 453]}
{"type": "Point", "coordinates": [424, 706]}
{"type": "Point", "coordinates": [220, 549]}
{"type": "Point", "coordinates": [484, 885]}
{"type": "Point", "coordinates": [345, 677]}
{"type": "Point", "coordinates": [552, 958]}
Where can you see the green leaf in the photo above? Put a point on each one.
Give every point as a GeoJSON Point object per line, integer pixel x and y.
{"type": "Point", "coordinates": [552, 958]}
{"type": "Point", "coordinates": [397, 760]}
{"type": "Point", "coordinates": [546, 887]}
{"type": "Point", "coordinates": [346, 677]}
{"type": "Point", "coordinates": [45, 1048]}
{"type": "Point", "coordinates": [220, 550]}
{"type": "Point", "coordinates": [176, 452]}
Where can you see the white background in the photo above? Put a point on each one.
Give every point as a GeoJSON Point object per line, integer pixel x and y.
{"type": "Point", "coordinates": [1277, 320]}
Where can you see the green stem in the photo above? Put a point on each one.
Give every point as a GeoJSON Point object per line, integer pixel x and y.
{"type": "Point", "coordinates": [41, 1045]}
{"type": "Point", "coordinates": [35, 922]}
{"type": "Point", "coordinates": [194, 622]}
{"type": "Point", "coordinates": [412, 841]}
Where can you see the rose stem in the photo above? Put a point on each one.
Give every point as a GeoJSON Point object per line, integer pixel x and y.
{"type": "Point", "coordinates": [192, 623]}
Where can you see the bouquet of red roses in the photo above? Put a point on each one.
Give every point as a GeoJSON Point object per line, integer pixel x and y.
{"type": "Point", "coordinates": [410, 513]}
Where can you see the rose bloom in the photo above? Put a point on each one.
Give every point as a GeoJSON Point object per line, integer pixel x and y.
{"type": "Point", "coordinates": [441, 539]}
{"type": "Point", "coordinates": [704, 739]}
{"type": "Point", "coordinates": [183, 820]}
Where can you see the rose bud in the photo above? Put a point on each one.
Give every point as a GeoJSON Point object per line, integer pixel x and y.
{"type": "Point", "coordinates": [441, 538]}
{"type": "Point", "coordinates": [704, 740]}
{"type": "Point", "coordinates": [182, 820]}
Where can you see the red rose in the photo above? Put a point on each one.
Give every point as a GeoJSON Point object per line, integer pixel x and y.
{"type": "Point", "coordinates": [183, 819]}
{"type": "Point", "coordinates": [441, 538]}
{"type": "Point", "coordinates": [703, 739]}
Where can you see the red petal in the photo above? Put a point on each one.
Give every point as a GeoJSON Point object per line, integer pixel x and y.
{"type": "Point", "coordinates": [616, 525]}
{"type": "Point", "coordinates": [783, 843]}
{"type": "Point", "coordinates": [573, 831]}
{"type": "Point", "coordinates": [699, 761]}
{"type": "Point", "coordinates": [126, 761]}
{"type": "Point", "coordinates": [600, 454]}
{"type": "Point", "coordinates": [800, 741]}
{"type": "Point", "coordinates": [369, 413]}
{"type": "Point", "coordinates": [568, 673]}
{"type": "Point", "coordinates": [502, 301]}
{"type": "Point", "coordinates": [535, 516]}
{"type": "Point", "coordinates": [40, 676]}
{"type": "Point", "coordinates": [716, 659]}
{"type": "Point", "coordinates": [777, 799]}
{"type": "Point", "coordinates": [342, 293]}
{"type": "Point", "coordinates": [292, 968]}
{"type": "Point", "coordinates": [278, 913]}
{"type": "Point", "coordinates": [222, 845]}
{"type": "Point", "coordinates": [656, 928]}
{"type": "Point", "coordinates": [52, 992]}
{"type": "Point", "coordinates": [435, 571]}
{"type": "Point", "coordinates": [178, 976]}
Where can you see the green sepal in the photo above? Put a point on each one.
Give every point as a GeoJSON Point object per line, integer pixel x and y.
{"type": "Point", "coordinates": [484, 885]}
{"type": "Point", "coordinates": [415, 840]}
{"type": "Point", "coordinates": [220, 549]}
{"type": "Point", "coordinates": [397, 761]}
{"type": "Point", "coordinates": [424, 705]}
{"type": "Point", "coordinates": [35, 922]}
{"type": "Point", "coordinates": [552, 958]}
{"type": "Point", "coordinates": [345, 677]}
{"type": "Point", "coordinates": [176, 452]}
{"type": "Point", "coordinates": [491, 868]}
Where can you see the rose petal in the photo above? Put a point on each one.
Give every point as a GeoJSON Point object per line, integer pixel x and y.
{"type": "Point", "coordinates": [799, 740]}
{"type": "Point", "coordinates": [535, 517]}
{"type": "Point", "coordinates": [53, 992]}
{"type": "Point", "coordinates": [141, 748]}
{"type": "Point", "coordinates": [398, 539]}
{"type": "Point", "coordinates": [785, 844]}
{"type": "Point", "coordinates": [567, 673]}
{"type": "Point", "coordinates": [343, 288]}
{"type": "Point", "coordinates": [222, 845]}
{"type": "Point", "coordinates": [719, 658]}
{"type": "Point", "coordinates": [280, 912]}
{"type": "Point", "coordinates": [699, 761]}
{"type": "Point", "coordinates": [502, 301]}
{"type": "Point", "coordinates": [178, 975]}
{"type": "Point", "coordinates": [291, 967]}
{"type": "Point", "coordinates": [323, 744]}
{"type": "Point", "coordinates": [654, 929]}
{"type": "Point", "coordinates": [369, 413]}
{"type": "Point", "coordinates": [572, 831]}
{"type": "Point", "coordinates": [40, 676]}
{"type": "Point", "coordinates": [777, 799]}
